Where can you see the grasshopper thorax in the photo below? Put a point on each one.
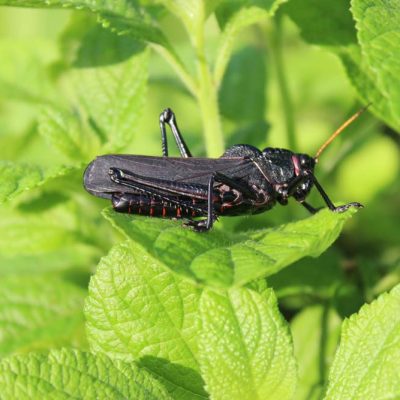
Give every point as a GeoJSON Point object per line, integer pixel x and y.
{"type": "Point", "coordinates": [291, 173]}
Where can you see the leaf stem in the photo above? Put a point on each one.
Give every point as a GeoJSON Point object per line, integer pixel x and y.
{"type": "Point", "coordinates": [276, 46]}
{"type": "Point", "coordinates": [323, 343]}
{"type": "Point", "coordinates": [204, 88]}
{"type": "Point", "coordinates": [177, 65]}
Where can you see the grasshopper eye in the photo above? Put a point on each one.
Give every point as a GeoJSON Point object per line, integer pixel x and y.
{"type": "Point", "coordinates": [306, 162]}
{"type": "Point", "coordinates": [303, 161]}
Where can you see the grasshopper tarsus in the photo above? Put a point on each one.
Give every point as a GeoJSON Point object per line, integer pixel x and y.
{"type": "Point", "coordinates": [345, 207]}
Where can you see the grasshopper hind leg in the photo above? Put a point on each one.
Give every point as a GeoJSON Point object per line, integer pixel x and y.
{"type": "Point", "coordinates": [168, 117]}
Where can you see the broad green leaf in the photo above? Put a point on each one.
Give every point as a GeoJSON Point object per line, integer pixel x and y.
{"type": "Point", "coordinates": [363, 80]}
{"type": "Point", "coordinates": [246, 74]}
{"type": "Point", "coordinates": [106, 90]}
{"type": "Point", "coordinates": [119, 6]}
{"type": "Point", "coordinates": [315, 332]}
{"type": "Point", "coordinates": [366, 365]}
{"type": "Point", "coordinates": [371, 64]}
{"type": "Point", "coordinates": [63, 131]}
{"type": "Point", "coordinates": [23, 74]}
{"type": "Point", "coordinates": [36, 233]}
{"type": "Point", "coordinates": [42, 200]}
{"type": "Point", "coordinates": [123, 16]}
{"type": "Point", "coordinates": [224, 259]}
{"type": "Point", "coordinates": [326, 23]}
{"type": "Point", "coordinates": [111, 92]}
{"type": "Point", "coordinates": [211, 5]}
{"type": "Point", "coordinates": [80, 44]}
{"type": "Point", "coordinates": [304, 280]}
{"type": "Point", "coordinates": [39, 312]}
{"type": "Point", "coordinates": [243, 18]}
{"type": "Point", "coordinates": [135, 28]}
{"type": "Point", "coordinates": [137, 310]}
{"type": "Point", "coordinates": [227, 10]}
{"type": "Point", "coordinates": [32, 234]}
{"type": "Point", "coordinates": [190, 12]}
{"type": "Point", "coordinates": [245, 347]}
{"type": "Point", "coordinates": [71, 374]}
{"type": "Point", "coordinates": [18, 178]}
{"type": "Point", "coordinates": [76, 256]}
{"type": "Point", "coordinates": [378, 26]}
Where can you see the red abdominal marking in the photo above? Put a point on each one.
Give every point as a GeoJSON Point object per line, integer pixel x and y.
{"type": "Point", "coordinates": [193, 211]}
{"type": "Point", "coordinates": [296, 165]}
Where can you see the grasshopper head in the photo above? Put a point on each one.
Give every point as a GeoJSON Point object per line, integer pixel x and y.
{"type": "Point", "coordinates": [303, 166]}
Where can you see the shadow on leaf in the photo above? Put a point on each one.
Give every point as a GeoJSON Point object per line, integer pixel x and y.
{"type": "Point", "coordinates": [182, 382]}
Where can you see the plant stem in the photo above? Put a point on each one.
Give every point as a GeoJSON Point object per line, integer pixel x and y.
{"type": "Point", "coordinates": [276, 46]}
{"type": "Point", "coordinates": [208, 100]}
{"type": "Point", "coordinates": [178, 67]}
{"type": "Point", "coordinates": [203, 89]}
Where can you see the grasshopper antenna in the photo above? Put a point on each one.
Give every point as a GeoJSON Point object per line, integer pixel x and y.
{"type": "Point", "coordinates": [339, 131]}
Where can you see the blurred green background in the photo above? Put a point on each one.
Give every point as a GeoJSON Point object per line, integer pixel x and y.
{"type": "Point", "coordinates": [57, 229]}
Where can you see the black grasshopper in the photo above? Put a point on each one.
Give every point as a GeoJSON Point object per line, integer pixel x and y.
{"type": "Point", "coordinates": [244, 180]}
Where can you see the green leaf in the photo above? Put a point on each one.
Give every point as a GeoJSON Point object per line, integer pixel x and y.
{"type": "Point", "coordinates": [366, 365]}
{"type": "Point", "coordinates": [107, 91]}
{"type": "Point", "coordinates": [378, 26]}
{"type": "Point", "coordinates": [135, 28]}
{"type": "Point", "coordinates": [246, 74]}
{"type": "Point", "coordinates": [39, 312]}
{"type": "Point", "coordinates": [138, 310]}
{"type": "Point", "coordinates": [23, 70]}
{"type": "Point", "coordinates": [304, 277]}
{"type": "Point", "coordinates": [245, 347]}
{"type": "Point", "coordinates": [190, 12]}
{"type": "Point", "coordinates": [327, 23]}
{"type": "Point", "coordinates": [71, 374]}
{"type": "Point", "coordinates": [111, 88]}
{"type": "Point", "coordinates": [36, 233]}
{"type": "Point", "coordinates": [63, 131]}
{"type": "Point", "coordinates": [243, 18]}
{"type": "Point", "coordinates": [363, 80]}
{"type": "Point", "coordinates": [224, 259]}
{"type": "Point", "coordinates": [211, 5]}
{"type": "Point", "coordinates": [18, 178]}
{"type": "Point", "coordinates": [315, 333]}
{"type": "Point", "coordinates": [124, 16]}
{"type": "Point", "coordinates": [73, 256]}
{"type": "Point", "coordinates": [372, 64]}
{"type": "Point", "coordinates": [119, 6]}
{"type": "Point", "coordinates": [227, 9]}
